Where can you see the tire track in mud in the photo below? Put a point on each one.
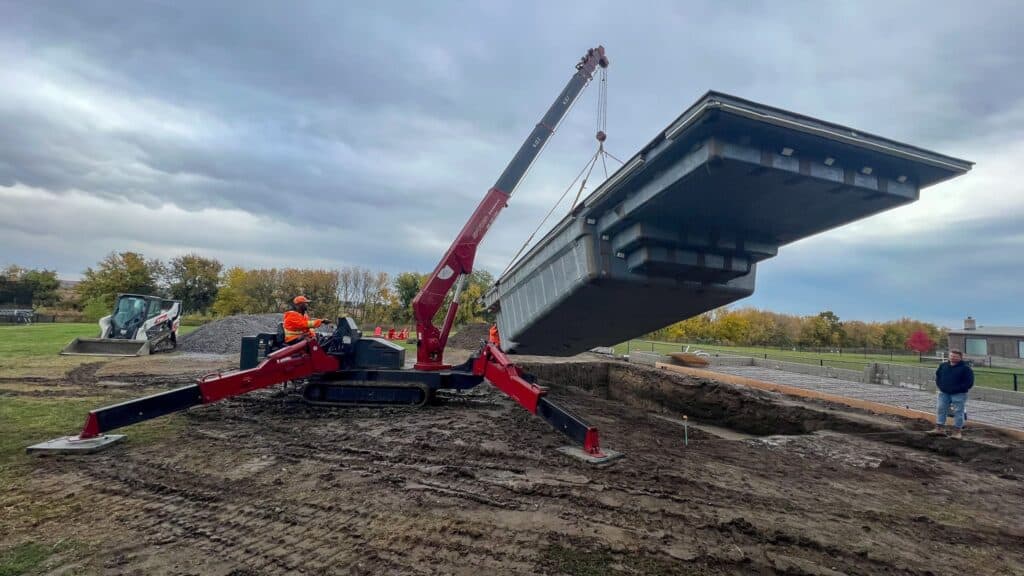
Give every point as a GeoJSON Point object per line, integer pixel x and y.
{"type": "Point", "coordinates": [79, 376]}
{"type": "Point", "coordinates": [270, 535]}
{"type": "Point", "coordinates": [570, 499]}
{"type": "Point", "coordinates": [169, 504]}
{"type": "Point", "coordinates": [573, 501]}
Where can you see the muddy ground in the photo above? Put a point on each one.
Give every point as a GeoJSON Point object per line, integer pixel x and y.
{"type": "Point", "coordinates": [264, 484]}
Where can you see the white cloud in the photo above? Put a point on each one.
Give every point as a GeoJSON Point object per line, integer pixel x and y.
{"type": "Point", "coordinates": [327, 134]}
{"type": "Point", "coordinates": [85, 227]}
{"type": "Point", "coordinates": [55, 89]}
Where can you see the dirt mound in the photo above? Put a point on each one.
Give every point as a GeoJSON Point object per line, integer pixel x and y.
{"type": "Point", "coordinates": [225, 336]}
{"type": "Point", "coordinates": [470, 336]}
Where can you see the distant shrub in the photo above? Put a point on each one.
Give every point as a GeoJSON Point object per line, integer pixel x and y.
{"type": "Point", "coordinates": [197, 319]}
{"type": "Point", "coordinates": [96, 308]}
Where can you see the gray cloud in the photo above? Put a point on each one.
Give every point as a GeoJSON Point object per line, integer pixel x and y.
{"type": "Point", "coordinates": [370, 132]}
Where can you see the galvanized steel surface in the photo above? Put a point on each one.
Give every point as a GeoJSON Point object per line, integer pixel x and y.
{"type": "Point", "coordinates": [679, 229]}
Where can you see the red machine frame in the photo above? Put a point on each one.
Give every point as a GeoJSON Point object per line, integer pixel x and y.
{"type": "Point", "coordinates": [308, 358]}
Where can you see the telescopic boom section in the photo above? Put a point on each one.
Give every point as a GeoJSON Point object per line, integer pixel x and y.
{"type": "Point", "coordinates": [457, 263]}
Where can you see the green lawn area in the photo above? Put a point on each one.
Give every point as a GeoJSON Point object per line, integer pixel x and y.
{"type": "Point", "coordinates": [26, 420]}
{"type": "Point", "coordinates": [48, 339]}
{"type": "Point", "coordinates": [41, 339]}
{"type": "Point", "coordinates": [988, 377]}
{"type": "Point", "coordinates": [33, 351]}
{"type": "Point", "coordinates": [22, 559]}
{"type": "Point", "coordinates": [23, 422]}
{"type": "Point", "coordinates": [29, 557]}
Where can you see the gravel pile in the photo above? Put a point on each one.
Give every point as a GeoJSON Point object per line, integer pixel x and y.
{"type": "Point", "coordinates": [470, 336]}
{"type": "Point", "coordinates": [225, 336]}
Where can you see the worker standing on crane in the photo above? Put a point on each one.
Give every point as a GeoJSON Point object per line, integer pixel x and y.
{"type": "Point", "coordinates": [297, 323]}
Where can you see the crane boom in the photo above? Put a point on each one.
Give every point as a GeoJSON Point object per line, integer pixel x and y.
{"type": "Point", "coordinates": [457, 262]}
{"type": "Point", "coordinates": [345, 369]}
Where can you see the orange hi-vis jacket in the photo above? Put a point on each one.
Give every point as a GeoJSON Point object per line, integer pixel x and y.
{"type": "Point", "coordinates": [493, 336]}
{"type": "Point", "coordinates": [297, 325]}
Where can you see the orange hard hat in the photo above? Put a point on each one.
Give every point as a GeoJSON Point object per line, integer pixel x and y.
{"type": "Point", "coordinates": [300, 300]}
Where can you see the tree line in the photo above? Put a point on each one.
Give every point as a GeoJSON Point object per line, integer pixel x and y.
{"type": "Point", "coordinates": [753, 327]}
{"type": "Point", "coordinates": [206, 287]}
{"type": "Point", "coordinates": [24, 287]}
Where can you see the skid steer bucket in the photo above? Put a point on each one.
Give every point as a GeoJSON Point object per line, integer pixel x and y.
{"type": "Point", "coordinates": [106, 347]}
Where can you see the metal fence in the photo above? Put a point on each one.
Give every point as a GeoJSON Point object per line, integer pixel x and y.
{"type": "Point", "coordinates": [987, 377]}
{"type": "Point", "coordinates": [10, 316]}
{"type": "Point", "coordinates": [1006, 379]}
{"type": "Point", "coordinates": [892, 353]}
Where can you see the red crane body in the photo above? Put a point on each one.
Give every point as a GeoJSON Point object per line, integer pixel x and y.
{"type": "Point", "coordinates": [331, 365]}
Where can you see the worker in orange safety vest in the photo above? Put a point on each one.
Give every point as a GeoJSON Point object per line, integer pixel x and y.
{"type": "Point", "coordinates": [297, 323]}
{"type": "Point", "coordinates": [493, 337]}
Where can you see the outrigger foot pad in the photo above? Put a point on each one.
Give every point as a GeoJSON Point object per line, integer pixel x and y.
{"type": "Point", "coordinates": [75, 445]}
{"type": "Point", "coordinates": [603, 457]}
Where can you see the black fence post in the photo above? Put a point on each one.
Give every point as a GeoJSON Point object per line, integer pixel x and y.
{"type": "Point", "coordinates": [1015, 382]}
{"type": "Point", "coordinates": [821, 362]}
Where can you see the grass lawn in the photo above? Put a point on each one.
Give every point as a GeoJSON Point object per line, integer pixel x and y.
{"type": "Point", "coordinates": [48, 339]}
{"type": "Point", "coordinates": [29, 557]}
{"type": "Point", "coordinates": [988, 377]}
{"type": "Point", "coordinates": [24, 420]}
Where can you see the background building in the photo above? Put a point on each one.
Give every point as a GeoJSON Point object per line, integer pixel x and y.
{"type": "Point", "coordinates": [997, 344]}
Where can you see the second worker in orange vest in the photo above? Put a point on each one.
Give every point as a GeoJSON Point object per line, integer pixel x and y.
{"type": "Point", "coordinates": [297, 323]}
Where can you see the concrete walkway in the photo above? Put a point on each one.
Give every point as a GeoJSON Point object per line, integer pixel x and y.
{"type": "Point", "coordinates": [979, 410]}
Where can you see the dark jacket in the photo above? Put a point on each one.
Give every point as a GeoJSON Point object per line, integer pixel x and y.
{"type": "Point", "coordinates": [954, 379]}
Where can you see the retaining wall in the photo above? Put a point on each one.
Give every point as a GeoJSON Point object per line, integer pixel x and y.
{"type": "Point", "coordinates": [731, 361]}
{"type": "Point", "coordinates": [648, 358]}
{"type": "Point", "coordinates": [863, 376]}
{"type": "Point", "coordinates": [916, 377]}
{"type": "Point", "coordinates": [923, 378]}
{"type": "Point", "coordinates": [795, 367]}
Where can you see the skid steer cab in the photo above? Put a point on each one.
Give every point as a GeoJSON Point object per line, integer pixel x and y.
{"type": "Point", "coordinates": [140, 324]}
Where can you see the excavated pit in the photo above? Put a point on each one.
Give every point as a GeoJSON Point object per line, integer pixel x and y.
{"type": "Point", "coordinates": [704, 401]}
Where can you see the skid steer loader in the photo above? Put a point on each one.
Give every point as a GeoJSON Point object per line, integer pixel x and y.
{"type": "Point", "coordinates": [139, 325]}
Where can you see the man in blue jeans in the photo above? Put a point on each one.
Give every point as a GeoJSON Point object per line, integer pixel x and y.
{"type": "Point", "coordinates": [953, 379]}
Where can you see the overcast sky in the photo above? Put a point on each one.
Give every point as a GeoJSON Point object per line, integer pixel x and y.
{"type": "Point", "coordinates": [319, 134]}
